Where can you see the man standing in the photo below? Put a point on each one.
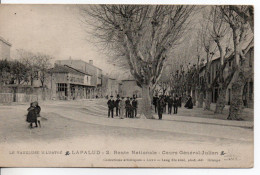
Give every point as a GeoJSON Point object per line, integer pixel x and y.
{"type": "Point", "coordinates": [121, 106]}
{"type": "Point", "coordinates": [160, 107]}
{"type": "Point", "coordinates": [116, 105]}
{"type": "Point", "coordinates": [127, 106]}
{"type": "Point", "coordinates": [170, 103]}
{"type": "Point", "coordinates": [110, 105]}
{"type": "Point", "coordinates": [130, 111]}
{"type": "Point", "coordinates": [155, 101]}
{"type": "Point", "coordinates": [175, 104]}
{"type": "Point", "coordinates": [179, 102]}
{"type": "Point", "coordinates": [134, 105]}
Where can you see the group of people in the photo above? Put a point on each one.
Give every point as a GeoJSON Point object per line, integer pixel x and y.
{"type": "Point", "coordinates": [160, 104]}
{"type": "Point", "coordinates": [124, 108]}
{"type": "Point", "coordinates": [33, 115]}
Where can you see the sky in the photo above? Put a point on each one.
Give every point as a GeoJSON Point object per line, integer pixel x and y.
{"type": "Point", "coordinates": [52, 29]}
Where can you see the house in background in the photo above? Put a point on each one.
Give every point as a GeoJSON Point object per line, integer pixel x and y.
{"type": "Point", "coordinates": [129, 88]}
{"type": "Point", "coordinates": [69, 83]}
{"type": "Point", "coordinates": [248, 90]}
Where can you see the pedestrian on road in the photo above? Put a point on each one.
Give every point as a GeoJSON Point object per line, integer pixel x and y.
{"type": "Point", "coordinates": [179, 101]}
{"type": "Point", "coordinates": [170, 103]}
{"type": "Point", "coordinates": [116, 105]}
{"type": "Point", "coordinates": [111, 105]}
{"type": "Point", "coordinates": [38, 110]}
{"type": "Point", "coordinates": [32, 115]}
{"type": "Point", "coordinates": [155, 101]}
{"type": "Point", "coordinates": [160, 106]}
{"type": "Point", "coordinates": [134, 105]}
{"type": "Point", "coordinates": [175, 104]}
{"type": "Point", "coordinates": [122, 108]}
{"type": "Point", "coordinates": [130, 114]}
{"type": "Point", "coordinates": [189, 104]}
{"type": "Point", "coordinates": [127, 107]}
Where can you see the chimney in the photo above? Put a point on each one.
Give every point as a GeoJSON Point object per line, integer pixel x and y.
{"type": "Point", "coordinates": [91, 62]}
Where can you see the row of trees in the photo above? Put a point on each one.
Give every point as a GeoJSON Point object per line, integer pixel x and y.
{"type": "Point", "coordinates": [26, 69]}
{"type": "Point", "coordinates": [143, 37]}
{"type": "Point", "coordinates": [227, 33]}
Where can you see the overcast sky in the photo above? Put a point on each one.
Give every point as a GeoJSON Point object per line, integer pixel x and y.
{"type": "Point", "coordinates": [51, 29]}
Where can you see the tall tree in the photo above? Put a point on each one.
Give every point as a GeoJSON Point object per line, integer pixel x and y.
{"type": "Point", "coordinates": [142, 35]}
{"type": "Point", "coordinates": [29, 59]}
{"type": "Point", "coordinates": [221, 35]}
{"type": "Point", "coordinates": [207, 44]}
{"type": "Point", "coordinates": [241, 33]}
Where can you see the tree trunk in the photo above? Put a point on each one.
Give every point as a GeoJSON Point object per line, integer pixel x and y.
{"type": "Point", "coordinates": [207, 100]}
{"type": "Point", "coordinates": [200, 100]}
{"type": "Point", "coordinates": [236, 105]}
{"type": "Point", "coordinates": [147, 102]}
{"type": "Point", "coordinates": [221, 101]}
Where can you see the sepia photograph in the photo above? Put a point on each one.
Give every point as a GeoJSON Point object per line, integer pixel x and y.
{"type": "Point", "coordinates": [132, 86]}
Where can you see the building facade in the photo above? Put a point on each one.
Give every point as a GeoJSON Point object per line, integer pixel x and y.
{"type": "Point", "coordinates": [5, 47]}
{"type": "Point", "coordinates": [129, 88]}
{"type": "Point", "coordinates": [69, 83]}
{"type": "Point", "coordinates": [89, 69]}
{"type": "Point", "coordinates": [248, 91]}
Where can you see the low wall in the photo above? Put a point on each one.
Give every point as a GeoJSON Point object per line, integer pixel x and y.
{"type": "Point", "coordinates": [6, 97]}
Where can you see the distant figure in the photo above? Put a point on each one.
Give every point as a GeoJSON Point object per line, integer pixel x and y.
{"type": "Point", "coordinates": [170, 103]}
{"type": "Point", "coordinates": [32, 115]}
{"type": "Point", "coordinates": [179, 102]}
{"type": "Point", "coordinates": [116, 105]}
{"type": "Point", "coordinates": [38, 110]}
{"type": "Point", "coordinates": [111, 104]}
{"type": "Point", "coordinates": [160, 107]}
{"type": "Point", "coordinates": [175, 104]}
{"type": "Point", "coordinates": [155, 101]}
{"type": "Point", "coordinates": [189, 104]}
{"type": "Point", "coordinates": [121, 106]}
{"type": "Point", "coordinates": [135, 106]}
{"type": "Point", "coordinates": [130, 113]}
{"type": "Point", "coordinates": [127, 107]}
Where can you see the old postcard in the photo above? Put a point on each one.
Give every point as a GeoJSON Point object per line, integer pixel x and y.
{"type": "Point", "coordinates": [127, 86]}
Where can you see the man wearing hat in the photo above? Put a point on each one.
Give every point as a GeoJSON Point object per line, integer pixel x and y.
{"type": "Point", "coordinates": [127, 107]}
{"type": "Point", "coordinates": [117, 104]}
{"type": "Point", "coordinates": [134, 105]}
{"type": "Point", "coordinates": [111, 104]}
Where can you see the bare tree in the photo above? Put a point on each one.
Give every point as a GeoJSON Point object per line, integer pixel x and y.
{"type": "Point", "coordinates": [142, 35]}
{"type": "Point", "coordinates": [29, 59]}
{"type": "Point", "coordinates": [207, 44]}
{"type": "Point", "coordinates": [220, 33]}
{"type": "Point", "coordinates": [241, 33]}
{"type": "Point", "coordinates": [43, 63]}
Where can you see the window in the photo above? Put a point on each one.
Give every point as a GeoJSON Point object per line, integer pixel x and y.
{"type": "Point", "coordinates": [61, 87]}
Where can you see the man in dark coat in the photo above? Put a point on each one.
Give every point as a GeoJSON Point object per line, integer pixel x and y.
{"type": "Point", "coordinates": [160, 107]}
{"type": "Point", "coordinates": [175, 104]}
{"type": "Point", "coordinates": [127, 107]}
{"type": "Point", "coordinates": [155, 101]}
{"type": "Point", "coordinates": [170, 103]}
{"type": "Point", "coordinates": [111, 105]}
{"type": "Point", "coordinates": [134, 105]}
{"type": "Point", "coordinates": [179, 101]}
{"type": "Point", "coordinates": [116, 105]}
{"type": "Point", "coordinates": [130, 109]}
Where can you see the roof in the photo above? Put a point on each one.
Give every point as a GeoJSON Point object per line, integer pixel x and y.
{"type": "Point", "coordinates": [66, 69]}
{"type": "Point", "coordinates": [129, 80]}
{"type": "Point", "coordinates": [6, 42]}
{"type": "Point", "coordinates": [81, 61]}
